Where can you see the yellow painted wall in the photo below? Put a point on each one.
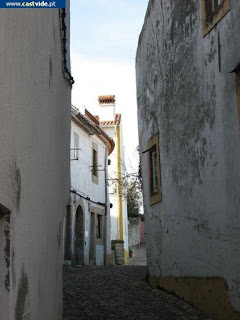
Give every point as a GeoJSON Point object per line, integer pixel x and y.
{"type": "Point", "coordinates": [119, 177]}
{"type": "Point", "coordinates": [207, 294]}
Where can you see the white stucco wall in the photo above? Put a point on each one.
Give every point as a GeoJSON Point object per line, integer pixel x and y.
{"type": "Point", "coordinates": [112, 169]}
{"type": "Point", "coordinates": [134, 231]}
{"type": "Point", "coordinates": [81, 181]}
{"type": "Point", "coordinates": [187, 93]}
{"type": "Point", "coordinates": [81, 174]}
{"type": "Point", "coordinates": [34, 168]}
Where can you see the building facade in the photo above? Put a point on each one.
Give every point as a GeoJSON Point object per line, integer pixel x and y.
{"type": "Point", "coordinates": [187, 67]}
{"type": "Point", "coordinates": [87, 223]}
{"type": "Point", "coordinates": [111, 123]}
{"type": "Point", "coordinates": [35, 101]}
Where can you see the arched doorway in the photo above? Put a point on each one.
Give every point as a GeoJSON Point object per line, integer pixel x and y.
{"type": "Point", "coordinates": [79, 237]}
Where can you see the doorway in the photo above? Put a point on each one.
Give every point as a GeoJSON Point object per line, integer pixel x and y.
{"type": "Point", "coordinates": [79, 237]}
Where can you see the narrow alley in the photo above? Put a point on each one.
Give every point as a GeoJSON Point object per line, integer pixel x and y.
{"type": "Point", "coordinates": [120, 160]}
{"type": "Point", "coordinates": [119, 292]}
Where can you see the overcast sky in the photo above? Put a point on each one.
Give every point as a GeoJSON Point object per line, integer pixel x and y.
{"type": "Point", "coordinates": [104, 37]}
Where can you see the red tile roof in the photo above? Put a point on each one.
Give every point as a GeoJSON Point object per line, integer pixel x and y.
{"type": "Point", "coordinates": [106, 99]}
{"type": "Point", "coordinates": [109, 122]}
{"type": "Point", "coordinates": [91, 117]}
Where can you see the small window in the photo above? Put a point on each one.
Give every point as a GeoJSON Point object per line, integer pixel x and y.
{"type": "Point", "coordinates": [99, 227]}
{"type": "Point", "coordinates": [154, 171]}
{"type": "Point", "coordinates": [94, 166]}
{"type": "Point", "coordinates": [76, 145]}
{"type": "Point", "coordinates": [155, 188]}
{"type": "Point", "coordinates": [212, 12]}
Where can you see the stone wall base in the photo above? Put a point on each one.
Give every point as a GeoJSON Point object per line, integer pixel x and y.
{"type": "Point", "coordinates": [207, 294]}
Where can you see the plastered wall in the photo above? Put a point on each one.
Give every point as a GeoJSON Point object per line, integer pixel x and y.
{"type": "Point", "coordinates": [82, 182]}
{"type": "Point", "coordinates": [187, 93]}
{"type": "Point", "coordinates": [34, 168]}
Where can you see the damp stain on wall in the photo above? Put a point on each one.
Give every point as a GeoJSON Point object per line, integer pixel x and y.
{"type": "Point", "coordinates": [7, 251]}
{"type": "Point", "coordinates": [21, 296]}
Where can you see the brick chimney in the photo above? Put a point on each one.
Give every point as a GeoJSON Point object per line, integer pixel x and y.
{"type": "Point", "coordinates": [107, 108]}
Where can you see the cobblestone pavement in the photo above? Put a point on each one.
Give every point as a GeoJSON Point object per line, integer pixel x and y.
{"type": "Point", "coordinates": [119, 292]}
{"type": "Point", "coordinates": [139, 257]}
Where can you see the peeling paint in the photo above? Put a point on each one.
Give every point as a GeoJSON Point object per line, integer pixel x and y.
{"type": "Point", "coordinates": [13, 274]}
{"type": "Point", "coordinates": [7, 251]}
{"type": "Point", "coordinates": [21, 296]}
{"type": "Point", "coordinates": [17, 184]}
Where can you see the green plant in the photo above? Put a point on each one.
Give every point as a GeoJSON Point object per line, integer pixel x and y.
{"type": "Point", "coordinates": [130, 251]}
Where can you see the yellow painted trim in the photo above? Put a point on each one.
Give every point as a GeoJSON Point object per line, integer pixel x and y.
{"type": "Point", "coordinates": [207, 294]}
{"type": "Point", "coordinates": [207, 27]}
{"type": "Point", "coordinates": [125, 256]}
{"type": "Point", "coordinates": [119, 184]}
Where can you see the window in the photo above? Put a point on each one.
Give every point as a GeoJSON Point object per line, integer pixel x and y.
{"type": "Point", "coordinates": [94, 167]}
{"type": "Point", "coordinates": [212, 12]}
{"type": "Point", "coordinates": [155, 191]}
{"type": "Point", "coordinates": [154, 171]}
{"type": "Point", "coordinates": [99, 227]}
{"type": "Point", "coordinates": [75, 145]}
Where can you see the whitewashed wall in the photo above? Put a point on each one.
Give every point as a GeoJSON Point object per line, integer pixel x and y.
{"type": "Point", "coordinates": [34, 161]}
{"type": "Point", "coordinates": [187, 94]}
{"type": "Point", "coordinates": [81, 181]}
{"type": "Point", "coordinates": [115, 235]}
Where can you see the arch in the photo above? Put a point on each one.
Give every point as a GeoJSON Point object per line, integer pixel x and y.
{"type": "Point", "coordinates": [79, 237]}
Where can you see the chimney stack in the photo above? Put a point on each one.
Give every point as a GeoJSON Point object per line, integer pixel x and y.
{"type": "Point", "coordinates": [107, 105]}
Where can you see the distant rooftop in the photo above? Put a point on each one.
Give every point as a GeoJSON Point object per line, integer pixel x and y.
{"type": "Point", "coordinates": [109, 122]}
{"type": "Point", "coordinates": [106, 99]}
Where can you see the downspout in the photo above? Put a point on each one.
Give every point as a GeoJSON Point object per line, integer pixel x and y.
{"type": "Point", "coordinates": [119, 184]}
{"type": "Point", "coordinates": [106, 207]}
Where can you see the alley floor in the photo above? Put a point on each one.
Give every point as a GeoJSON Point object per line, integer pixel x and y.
{"type": "Point", "coordinates": [139, 257]}
{"type": "Point", "coordinates": [119, 292]}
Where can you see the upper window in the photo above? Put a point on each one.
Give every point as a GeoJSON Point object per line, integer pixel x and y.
{"type": "Point", "coordinates": [212, 12]}
{"type": "Point", "coordinates": [94, 167]}
{"type": "Point", "coordinates": [75, 145]}
{"type": "Point", "coordinates": [155, 188]}
{"type": "Point", "coordinates": [154, 183]}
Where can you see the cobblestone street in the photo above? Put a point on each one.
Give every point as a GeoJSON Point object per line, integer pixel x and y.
{"type": "Point", "coordinates": [119, 292]}
{"type": "Point", "coordinates": [139, 257]}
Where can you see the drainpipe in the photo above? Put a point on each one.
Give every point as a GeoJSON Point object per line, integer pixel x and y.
{"type": "Point", "coordinates": [106, 206]}
{"type": "Point", "coordinates": [119, 184]}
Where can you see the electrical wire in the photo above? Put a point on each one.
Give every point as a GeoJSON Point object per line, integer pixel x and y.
{"type": "Point", "coordinates": [87, 198]}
